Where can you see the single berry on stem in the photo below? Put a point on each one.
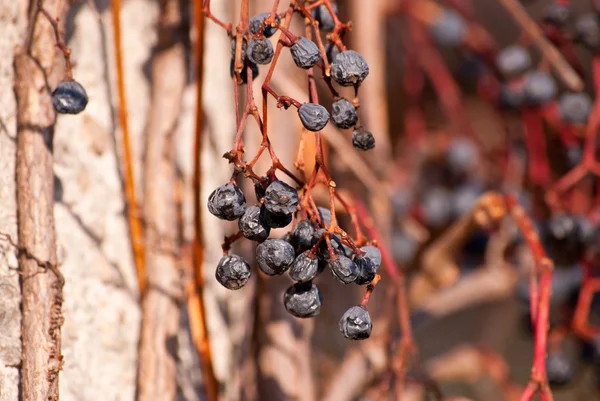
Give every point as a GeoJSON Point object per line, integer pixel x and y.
{"type": "Point", "coordinates": [302, 236]}
{"type": "Point", "coordinates": [314, 117]}
{"type": "Point", "coordinates": [305, 53]}
{"type": "Point", "coordinates": [233, 272]}
{"type": "Point", "coordinates": [343, 113]}
{"type": "Point", "coordinates": [257, 21]}
{"type": "Point", "coordinates": [305, 267]}
{"type": "Point", "coordinates": [252, 224]}
{"type": "Point", "coordinates": [362, 139]}
{"type": "Point", "coordinates": [303, 300]}
{"type": "Point", "coordinates": [69, 97]}
{"type": "Point", "coordinates": [349, 68]}
{"type": "Point", "coordinates": [343, 269]}
{"type": "Point", "coordinates": [227, 202]}
{"type": "Point", "coordinates": [356, 323]}
{"type": "Point", "coordinates": [324, 17]}
{"type": "Point", "coordinates": [260, 51]}
{"type": "Point", "coordinates": [274, 256]}
{"type": "Point", "coordinates": [280, 198]}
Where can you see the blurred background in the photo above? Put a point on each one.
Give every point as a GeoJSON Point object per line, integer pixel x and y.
{"type": "Point", "coordinates": [443, 138]}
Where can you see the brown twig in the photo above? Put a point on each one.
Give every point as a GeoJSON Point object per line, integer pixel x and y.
{"type": "Point", "coordinates": [157, 362]}
{"type": "Point", "coordinates": [42, 294]}
{"type": "Point", "coordinates": [135, 225]}
{"type": "Point", "coordinates": [196, 307]}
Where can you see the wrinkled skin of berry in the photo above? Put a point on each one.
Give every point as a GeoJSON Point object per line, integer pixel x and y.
{"type": "Point", "coordinates": [349, 68]}
{"type": "Point", "coordinates": [513, 60]}
{"type": "Point", "coordinates": [305, 53]}
{"type": "Point", "coordinates": [302, 236]}
{"type": "Point", "coordinates": [363, 139]}
{"type": "Point", "coordinates": [274, 256]}
{"type": "Point", "coordinates": [303, 300]}
{"type": "Point", "coordinates": [253, 226]}
{"type": "Point", "coordinates": [281, 199]}
{"type": "Point", "coordinates": [343, 269]}
{"type": "Point", "coordinates": [322, 14]}
{"type": "Point", "coordinates": [260, 51]}
{"type": "Point", "coordinates": [373, 253]}
{"type": "Point", "coordinates": [233, 272]}
{"type": "Point", "coordinates": [276, 221]}
{"type": "Point", "coordinates": [356, 323]}
{"type": "Point", "coordinates": [366, 270]}
{"type": "Point", "coordinates": [257, 21]}
{"type": "Point", "coordinates": [540, 88]}
{"type": "Point", "coordinates": [69, 97]}
{"type": "Point", "coordinates": [575, 108]}
{"type": "Point", "coordinates": [450, 29]}
{"type": "Point", "coordinates": [227, 202]}
{"type": "Point", "coordinates": [343, 113]}
{"type": "Point", "coordinates": [305, 267]}
{"type": "Point", "coordinates": [313, 116]}
{"type": "Point", "coordinates": [561, 369]}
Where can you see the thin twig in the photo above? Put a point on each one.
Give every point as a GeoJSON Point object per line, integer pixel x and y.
{"type": "Point", "coordinates": [135, 225]}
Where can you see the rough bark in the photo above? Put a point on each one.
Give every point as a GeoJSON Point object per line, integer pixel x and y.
{"type": "Point", "coordinates": [160, 321]}
{"type": "Point", "coordinates": [41, 283]}
{"type": "Point", "coordinates": [10, 308]}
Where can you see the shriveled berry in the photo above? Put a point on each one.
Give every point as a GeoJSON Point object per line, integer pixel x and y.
{"type": "Point", "coordinates": [303, 300]}
{"type": "Point", "coordinates": [274, 256]}
{"type": "Point", "coordinates": [449, 29]}
{"type": "Point", "coordinates": [356, 323]}
{"type": "Point", "coordinates": [257, 21]}
{"type": "Point", "coordinates": [343, 113]}
{"type": "Point", "coordinates": [244, 72]}
{"type": "Point", "coordinates": [69, 97]}
{"type": "Point", "coordinates": [227, 202]}
{"type": "Point", "coordinates": [305, 53]}
{"type": "Point", "coordinates": [253, 226]}
{"type": "Point", "coordinates": [305, 267]}
{"type": "Point", "coordinates": [513, 60]}
{"type": "Point", "coordinates": [560, 369]}
{"type": "Point", "coordinates": [587, 29]}
{"type": "Point", "coordinates": [281, 199]}
{"type": "Point", "coordinates": [373, 253]}
{"type": "Point", "coordinates": [302, 236]}
{"type": "Point", "coordinates": [324, 17]}
{"type": "Point", "coordinates": [540, 88]}
{"type": "Point", "coordinates": [244, 47]}
{"type": "Point", "coordinates": [325, 215]}
{"type": "Point", "coordinates": [260, 51]}
{"type": "Point", "coordinates": [404, 247]}
{"type": "Point", "coordinates": [349, 68]}
{"type": "Point", "coordinates": [233, 272]}
{"type": "Point", "coordinates": [313, 116]}
{"type": "Point", "coordinates": [557, 14]}
{"type": "Point", "coordinates": [362, 139]}
{"type": "Point", "coordinates": [575, 108]}
{"type": "Point", "coordinates": [343, 269]}
{"type": "Point", "coordinates": [275, 220]}
{"type": "Point", "coordinates": [366, 270]}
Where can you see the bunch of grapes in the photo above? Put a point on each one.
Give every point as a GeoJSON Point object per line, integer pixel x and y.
{"type": "Point", "coordinates": [315, 242]}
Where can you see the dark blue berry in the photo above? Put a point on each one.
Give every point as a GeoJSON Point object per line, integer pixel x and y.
{"type": "Point", "coordinates": [274, 256]}
{"type": "Point", "coordinates": [313, 116]}
{"type": "Point", "coordinates": [257, 21]}
{"type": "Point", "coordinates": [343, 269]}
{"type": "Point", "coordinates": [260, 51]}
{"type": "Point", "coordinates": [323, 16]}
{"type": "Point", "coordinates": [305, 267]}
{"type": "Point", "coordinates": [349, 68]}
{"type": "Point", "coordinates": [513, 60]}
{"type": "Point", "coordinates": [362, 139]}
{"type": "Point", "coordinates": [281, 199]}
{"type": "Point", "coordinates": [227, 202]}
{"type": "Point", "coordinates": [69, 97]}
{"type": "Point", "coordinates": [252, 224]}
{"type": "Point", "coordinates": [233, 272]}
{"type": "Point", "coordinates": [343, 113]}
{"type": "Point", "coordinates": [303, 300]}
{"type": "Point", "coordinates": [356, 323]}
{"type": "Point", "coordinates": [305, 53]}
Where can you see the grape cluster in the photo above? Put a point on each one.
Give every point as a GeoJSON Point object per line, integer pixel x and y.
{"type": "Point", "coordinates": [304, 252]}
{"type": "Point", "coordinates": [347, 68]}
